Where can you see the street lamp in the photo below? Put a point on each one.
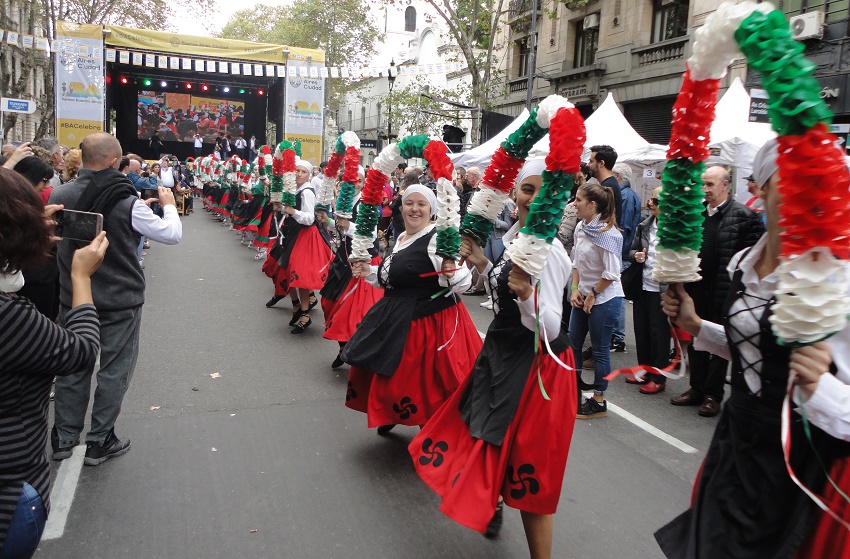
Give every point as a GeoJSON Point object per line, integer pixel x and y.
{"type": "Point", "coordinates": [391, 82]}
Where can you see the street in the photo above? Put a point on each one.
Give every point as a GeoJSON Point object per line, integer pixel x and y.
{"type": "Point", "coordinates": [242, 445]}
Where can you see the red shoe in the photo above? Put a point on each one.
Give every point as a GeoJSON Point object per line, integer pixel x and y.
{"type": "Point", "coordinates": [635, 380]}
{"type": "Point", "coordinates": [652, 388]}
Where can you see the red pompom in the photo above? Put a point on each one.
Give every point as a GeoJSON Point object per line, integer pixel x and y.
{"type": "Point", "coordinates": [436, 154]}
{"type": "Point", "coordinates": [373, 189]}
{"type": "Point", "coordinates": [502, 171]}
{"type": "Point", "coordinates": [267, 150]}
{"type": "Point", "coordinates": [288, 161]}
{"type": "Point", "coordinates": [334, 163]}
{"type": "Point", "coordinates": [693, 114]}
{"type": "Point", "coordinates": [352, 161]}
{"type": "Point", "coordinates": [277, 167]}
{"type": "Point", "coordinates": [813, 184]}
{"type": "Point", "coordinates": [567, 136]}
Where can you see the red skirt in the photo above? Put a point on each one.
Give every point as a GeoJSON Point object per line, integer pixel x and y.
{"type": "Point", "coordinates": [262, 239]}
{"type": "Point", "coordinates": [427, 375]}
{"type": "Point", "coordinates": [273, 270]}
{"type": "Point", "coordinates": [309, 261]}
{"type": "Point", "coordinates": [527, 470]}
{"type": "Point", "coordinates": [342, 317]}
{"type": "Point", "coordinates": [829, 539]}
{"type": "Point", "coordinates": [222, 205]}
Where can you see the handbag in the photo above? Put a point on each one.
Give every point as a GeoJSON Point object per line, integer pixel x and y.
{"type": "Point", "coordinates": [632, 281]}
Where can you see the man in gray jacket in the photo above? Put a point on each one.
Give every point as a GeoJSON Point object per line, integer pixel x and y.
{"type": "Point", "coordinates": [118, 289]}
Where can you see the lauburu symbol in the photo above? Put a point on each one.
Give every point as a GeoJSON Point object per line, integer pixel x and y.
{"type": "Point", "coordinates": [350, 394]}
{"type": "Point", "coordinates": [404, 408]}
{"type": "Point", "coordinates": [523, 479]}
{"type": "Point", "coordinates": [433, 454]}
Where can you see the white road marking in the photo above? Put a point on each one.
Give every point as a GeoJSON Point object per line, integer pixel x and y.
{"type": "Point", "coordinates": [62, 494]}
{"type": "Point", "coordinates": [480, 333]}
{"type": "Point", "coordinates": [651, 429]}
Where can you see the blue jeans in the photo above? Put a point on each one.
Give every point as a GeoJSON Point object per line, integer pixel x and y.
{"type": "Point", "coordinates": [600, 324]}
{"type": "Point", "coordinates": [620, 322]}
{"type": "Point", "coordinates": [26, 526]}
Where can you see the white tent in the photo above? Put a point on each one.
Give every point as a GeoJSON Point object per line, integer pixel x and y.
{"type": "Point", "coordinates": [480, 156]}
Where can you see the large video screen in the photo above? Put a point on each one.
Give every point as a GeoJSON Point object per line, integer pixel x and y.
{"type": "Point", "coordinates": [179, 116]}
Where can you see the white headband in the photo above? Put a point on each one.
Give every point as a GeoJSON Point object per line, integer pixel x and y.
{"type": "Point", "coordinates": [424, 191]}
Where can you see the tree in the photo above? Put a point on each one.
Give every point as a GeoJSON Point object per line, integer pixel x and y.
{"type": "Point", "coordinates": [418, 112]}
{"type": "Point", "coordinates": [342, 29]}
{"type": "Point", "coordinates": [141, 14]}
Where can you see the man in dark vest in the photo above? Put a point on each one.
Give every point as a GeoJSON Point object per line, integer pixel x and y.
{"type": "Point", "coordinates": [118, 289]}
{"type": "Point", "coordinates": [729, 227]}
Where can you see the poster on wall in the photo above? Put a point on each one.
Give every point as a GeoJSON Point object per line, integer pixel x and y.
{"type": "Point", "coordinates": [79, 82]}
{"type": "Point", "coordinates": [304, 112]}
{"type": "Point", "coordinates": [177, 117]}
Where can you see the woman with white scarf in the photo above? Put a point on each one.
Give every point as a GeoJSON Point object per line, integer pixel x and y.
{"type": "Point", "coordinates": [595, 290]}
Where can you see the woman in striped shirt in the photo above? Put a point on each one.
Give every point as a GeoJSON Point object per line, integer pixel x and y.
{"type": "Point", "coordinates": [32, 351]}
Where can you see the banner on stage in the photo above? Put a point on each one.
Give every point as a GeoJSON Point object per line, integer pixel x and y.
{"type": "Point", "coordinates": [79, 82]}
{"type": "Point", "coordinates": [305, 99]}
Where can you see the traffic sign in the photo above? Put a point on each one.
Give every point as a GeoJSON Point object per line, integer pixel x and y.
{"type": "Point", "coordinates": [8, 105]}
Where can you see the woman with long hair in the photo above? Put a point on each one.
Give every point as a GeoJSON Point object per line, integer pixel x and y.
{"type": "Point", "coordinates": [595, 290]}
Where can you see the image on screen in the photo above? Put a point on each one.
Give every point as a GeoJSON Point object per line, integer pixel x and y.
{"type": "Point", "coordinates": [179, 116]}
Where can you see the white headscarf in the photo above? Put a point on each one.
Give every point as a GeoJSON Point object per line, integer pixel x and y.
{"type": "Point", "coordinates": [304, 163]}
{"type": "Point", "coordinates": [531, 168]}
{"type": "Point", "coordinates": [424, 191]}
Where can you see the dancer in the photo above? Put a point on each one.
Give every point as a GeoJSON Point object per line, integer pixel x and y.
{"type": "Point", "coordinates": [417, 343]}
{"type": "Point", "coordinates": [505, 434]}
{"type": "Point", "coordinates": [306, 253]}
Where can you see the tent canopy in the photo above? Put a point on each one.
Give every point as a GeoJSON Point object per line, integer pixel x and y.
{"type": "Point", "coordinates": [480, 156]}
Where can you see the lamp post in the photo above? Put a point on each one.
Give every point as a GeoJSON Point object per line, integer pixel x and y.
{"type": "Point", "coordinates": [390, 82]}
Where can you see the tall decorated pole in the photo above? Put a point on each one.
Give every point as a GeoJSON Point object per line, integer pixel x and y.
{"type": "Point", "coordinates": [345, 200]}
{"type": "Point", "coordinates": [326, 191]}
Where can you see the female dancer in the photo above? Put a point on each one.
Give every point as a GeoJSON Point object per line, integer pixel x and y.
{"type": "Point", "coordinates": [499, 432]}
{"type": "Point", "coordinates": [306, 254]}
{"type": "Point", "coordinates": [745, 503]}
{"type": "Point", "coordinates": [417, 343]}
{"type": "Point", "coordinates": [346, 299]}
{"type": "Point", "coordinates": [595, 288]}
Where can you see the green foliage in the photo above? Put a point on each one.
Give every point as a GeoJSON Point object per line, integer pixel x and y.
{"type": "Point", "coordinates": [141, 14]}
{"type": "Point", "coordinates": [421, 114]}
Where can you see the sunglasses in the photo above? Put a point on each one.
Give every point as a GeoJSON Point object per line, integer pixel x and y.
{"type": "Point", "coordinates": [653, 201]}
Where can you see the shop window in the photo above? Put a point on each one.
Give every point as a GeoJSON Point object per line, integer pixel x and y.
{"type": "Point", "coordinates": [587, 43]}
{"type": "Point", "coordinates": [410, 19]}
{"type": "Point", "coordinates": [834, 10]}
{"type": "Point", "coordinates": [670, 20]}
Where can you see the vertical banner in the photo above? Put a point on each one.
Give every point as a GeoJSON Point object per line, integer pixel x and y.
{"type": "Point", "coordinates": [305, 101]}
{"type": "Point", "coordinates": [79, 82]}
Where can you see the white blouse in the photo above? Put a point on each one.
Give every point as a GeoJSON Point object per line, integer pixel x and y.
{"type": "Point", "coordinates": [594, 262]}
{"type": "Point", "coordinates": [829, 406]}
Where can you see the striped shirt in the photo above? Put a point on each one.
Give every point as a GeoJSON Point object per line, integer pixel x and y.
{"type": "Point", "coordinates": [32, 351]}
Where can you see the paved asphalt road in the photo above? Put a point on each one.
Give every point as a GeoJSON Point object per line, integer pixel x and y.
{"type": "Point", "coordinates": [266, 462]}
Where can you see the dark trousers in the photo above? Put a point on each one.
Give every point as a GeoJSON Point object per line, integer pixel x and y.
{"type": "Point", "coordinates": [708, 373]}
{"type": "Point", "coordinates": [198, 151]}
{"type": "Point", "coordinates": [652, 333]}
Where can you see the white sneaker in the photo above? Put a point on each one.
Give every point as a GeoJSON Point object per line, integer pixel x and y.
{"type": "Point", "coordinates": [261, 255]}
{"type": "Point", "coordinates": [489, 301]}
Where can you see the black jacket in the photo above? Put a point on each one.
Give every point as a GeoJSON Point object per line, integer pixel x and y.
{"type": "Point", "coordinates": [739, 228]}
{"type": "Point", "coordinates": [641, 240]}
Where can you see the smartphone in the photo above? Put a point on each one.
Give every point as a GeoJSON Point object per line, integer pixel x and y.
{"type": "Point", "coordinates": [79, 226]}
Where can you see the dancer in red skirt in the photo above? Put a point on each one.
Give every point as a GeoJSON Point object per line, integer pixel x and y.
{"type": "Point", "coordinates": [306, 254]}
{"type": "Point", "coordinates": [745, 503]}
{"type": "Point", "coordinates": [346, 299]}
{"type": "Point", "coordinates": [417, 343]}
{"type": "Point", "coordinates": [498, 435]}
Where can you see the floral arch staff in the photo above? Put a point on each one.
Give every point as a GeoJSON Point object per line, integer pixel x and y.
{"type": "Point", "coordinates": [767, 471]}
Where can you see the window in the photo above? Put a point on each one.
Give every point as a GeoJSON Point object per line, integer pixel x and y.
{"type": "Point", "coordinates": [410, 19]}
{"type": "Point", "coordinates": [363, 117]}
{"type": "Point", "coordinates": [522, 50]}
{"type": "Point", "coordinates": [670, 21]}
{"type": "Point", "coordinates": [834, 10]}
{"type": "Point", "coordinates": [587, 42]}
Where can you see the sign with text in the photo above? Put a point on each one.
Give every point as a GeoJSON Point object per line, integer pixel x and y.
{"type": "Point", "coordinates": [758, 106]}
{"type": "Point", "coordinates": [304, 110]}
{"type": "Point", "coordinates": [8, 105]}
{"type": "Point", "coordinates": [79, 82]}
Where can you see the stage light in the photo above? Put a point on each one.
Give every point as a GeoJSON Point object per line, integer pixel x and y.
{"type": "Point", "coordinates": [188, 86]}
{"type": "Point", "coordinates": [108, 79]}
{"type": "Point", "coordinates": [205, 87]}
{"type": "Point", "coordinates": [241, 91]}
{"type": "Point", "coordinates": [147, 82]}
{"type": "Point", "coordinates": [260, 92]}
{"type": "Point", "coordinates": [163, 84]}
{"type": "Point", "coordinates": [227, 90]}
{"type": "Point", "coordinates": [124, 79]}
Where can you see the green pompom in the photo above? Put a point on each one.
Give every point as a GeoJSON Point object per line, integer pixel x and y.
{"type": "Point", "coordinates": [288, 199]}
{"type": "Point", "coordinates": [413, 146]}
{"type": "Point", "coordinates": [296, 146]}
{"type": "Point", "coordinates": [680, 220]}
{"type": "Point", "coordinates": [367, 220]}
{"type": "Point", "coordinates": [340, 146]}
{"type": "Point", "coordinates": [284, 145]}
{"type": "Point", "coordinates": [795, 103]}
{"type": "Point", "coordinates": [478, 227]}
{"type": "Point", "coordinates": [345, 199]}
{"type": "Point", "coordinates": [277, 184]}
{"type": "Point", "coordinates": [547, 209]}
{"type": "Point", "coordinates": [520, 142]}
{"type": "Point", "coordinates": [448, 243]}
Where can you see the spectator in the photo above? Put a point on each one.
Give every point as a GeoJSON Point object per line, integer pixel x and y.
{"type": "Point", "coordinates": [199, 145]}
{"type": "Point", "coordinates": [240, 144]}
{"type": "Point", "coordinates": [755, 202]}
{"type": "Point", "coordinates": [73, 161]}
{"type": "Point", "coordinates": [56, 155]}
{"type": "Point", "coordinates": [602, 160]}
{"type": "Point", "coordinates": [253, 145]}
{"type": "Point", "coordinates": [729, 227]}
{"type": "Point", "coordinates": [470, 185]}
{"type": "Point", "coordinates": [652, 330]}
{"type": "Point", "coordinates": [630, 219]}
{"type": "Point", "coordinates": [118, 289]}
{"type": "Point", "coordinates": [33, 350]}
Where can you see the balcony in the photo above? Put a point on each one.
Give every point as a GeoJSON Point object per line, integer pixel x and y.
{"type": "Point", "coordinates": [671, 49]}
{"type": "Point", "coordinates": [519, 11]}
{"type": "Point", "coordinates": [518, 85]}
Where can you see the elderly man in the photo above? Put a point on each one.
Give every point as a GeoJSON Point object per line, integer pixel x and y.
{"type": "Point", "coordinates": [630, 218]}
{"type": "Point", "coordinates": [118, 289]}
{"type": "Point", "coordinates": [729, 227]}
{"type": "Point", "coordinates": [57, 156]}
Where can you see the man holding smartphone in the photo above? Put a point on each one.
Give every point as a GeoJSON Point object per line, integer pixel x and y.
{"type": "Point", "coordinates": [118, 289]}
